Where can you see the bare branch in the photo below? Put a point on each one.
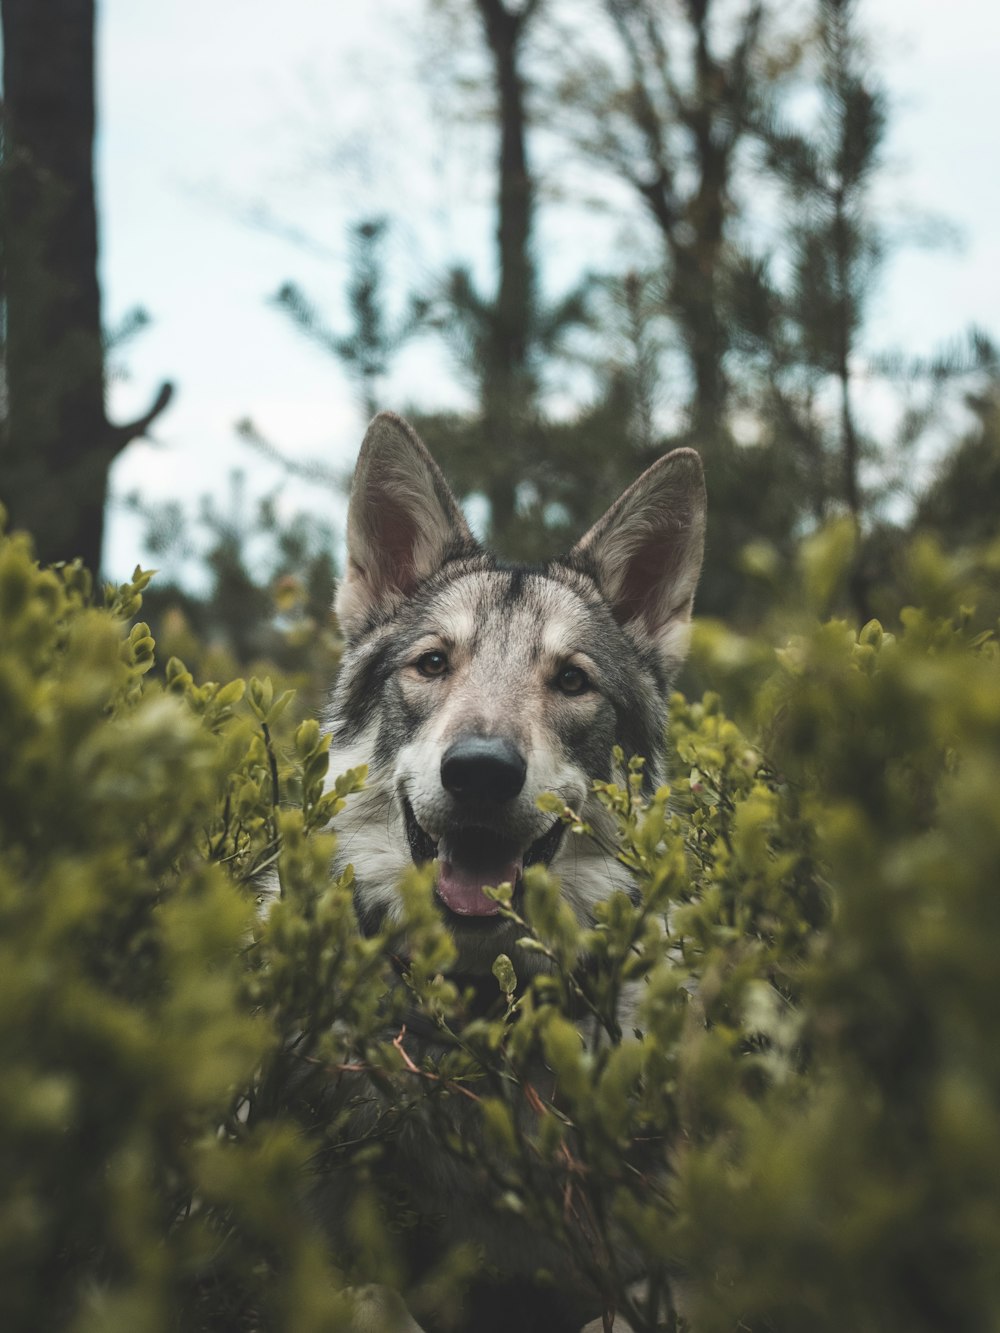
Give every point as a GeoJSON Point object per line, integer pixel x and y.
{"type": "Point", "coordinates": [120, 436]}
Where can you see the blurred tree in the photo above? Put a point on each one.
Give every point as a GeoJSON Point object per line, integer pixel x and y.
{"type": "Point", "coordinates": [672, 121]}
{"type": "Point", "coordinates": [543, 479]}
{"type": "Point", "coordinates": [500, 338]}
{"type": "Point", "coordinates": [674, 109]}
{"type": "Point", "coordinates": [805, 327]}
{"type": "Point", "coordinates": [366, 351]}
{"type": "Point", "coordinates": [500, 449]}
{"type": "Point", "coordinates": [509, 386]}
{"type": "Point", "coordinates": [58, 444]}
{"type": "Point", "coordinates": [669, 113]}
{"type": "Point", "coordinates": [962, 503]}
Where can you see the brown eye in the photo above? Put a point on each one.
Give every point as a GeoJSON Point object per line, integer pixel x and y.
{"type": "Point", "coordinates": [571, 680]}
{"type": "Point", "coordinates": [432, 664]}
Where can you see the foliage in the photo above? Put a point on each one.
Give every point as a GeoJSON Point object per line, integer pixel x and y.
{"type": "Point", "coordinates": [770, 1083]}
{"type": "Point", "coordinates": [144, 1014]}
{"type": "Point", "coordinates": [865, 1196]}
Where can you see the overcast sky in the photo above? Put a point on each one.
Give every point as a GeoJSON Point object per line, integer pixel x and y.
{"type": "Point", "coordinates": [239, 138]}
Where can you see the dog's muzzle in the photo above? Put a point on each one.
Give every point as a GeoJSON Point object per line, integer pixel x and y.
{"type": "Point", "coordinates": [482, 776]}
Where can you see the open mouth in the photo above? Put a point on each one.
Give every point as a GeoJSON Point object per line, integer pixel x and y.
{"type": "Point", "coordinates": [470, 858]}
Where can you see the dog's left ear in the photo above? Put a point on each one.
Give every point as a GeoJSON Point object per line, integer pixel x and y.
{"type": "Point", "coordinates": [646, 553]}
{"type": "Point", "coordinates": [402, 522]}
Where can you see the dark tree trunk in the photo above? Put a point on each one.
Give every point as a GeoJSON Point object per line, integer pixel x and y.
{"type": "Point", "coordinates": [507, 379]}
{"type": "Point", "coordinates": [58, 444]}
{"type": "Point", "coordinates": [515, 194]}
{"type": "Point", "coordinates": [697, 264]}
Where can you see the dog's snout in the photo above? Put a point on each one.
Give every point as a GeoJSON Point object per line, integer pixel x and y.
{"type": "Point", "coordinates": [483, 768]}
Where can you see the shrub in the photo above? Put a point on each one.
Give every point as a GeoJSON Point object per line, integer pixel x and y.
{"type": "Point", "coordinates": [137, 1020]}
{"type": "Point", "coordinates": [794, 1127]}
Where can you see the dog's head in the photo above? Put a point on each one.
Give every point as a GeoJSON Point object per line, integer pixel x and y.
{"type": "Point", "coordinates": [470, 686]}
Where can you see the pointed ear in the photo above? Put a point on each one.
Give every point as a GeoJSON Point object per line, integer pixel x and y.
{"type": "Point", "coordinates": [402, 522]}
{"type": "Point", "coordinates": [646, 553]}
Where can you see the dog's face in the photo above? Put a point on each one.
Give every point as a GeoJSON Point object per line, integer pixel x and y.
{"type": "Point", "coordinates": [470, 687]}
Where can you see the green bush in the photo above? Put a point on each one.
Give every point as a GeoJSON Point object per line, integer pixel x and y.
{"type": "Point", "coordinates": [785, 1110]}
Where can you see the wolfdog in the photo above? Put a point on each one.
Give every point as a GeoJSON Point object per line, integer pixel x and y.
{"type": "Point", "coordinates": [470, 686]}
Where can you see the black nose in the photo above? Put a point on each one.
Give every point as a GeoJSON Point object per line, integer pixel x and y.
{"type": "Point", "coordinates": [483, 768]}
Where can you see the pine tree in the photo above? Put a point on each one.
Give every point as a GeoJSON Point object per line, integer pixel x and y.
{"type": "Point", "coordinates": [805, 330]}
{"type": "Point", "coordinates": [962, 502]}
{"type": "Point", "coordinates": [367, 349]}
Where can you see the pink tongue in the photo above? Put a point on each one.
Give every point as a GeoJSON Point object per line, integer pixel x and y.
{"type": "Point", "coordinates": [461, 888]}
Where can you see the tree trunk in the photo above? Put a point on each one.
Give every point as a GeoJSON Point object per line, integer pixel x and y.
{"type": "Point", "coordinates": [696, 265]}
{"type": "Point", "coordinates": [507, 379]}
{"type": "Point", "coordinates": [58, 444]}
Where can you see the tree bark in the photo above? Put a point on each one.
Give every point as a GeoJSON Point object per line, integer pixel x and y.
{"type": "Point", "coordinates": [58, 444]}
{"type": "Point", "coordinates": [507, 379]}
{"type": "Point", "coordinates": [696, 265]}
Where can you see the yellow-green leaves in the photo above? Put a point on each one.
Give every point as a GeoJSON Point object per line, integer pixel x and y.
{"type": "Point", "coordinates": [138, 1035]}
{"type": "Point", "coordinates": [768, 1059]}
{"type": "Point", "coordinates": [265, 705]}
{"type": "Point", "coordinates": [503, 970]}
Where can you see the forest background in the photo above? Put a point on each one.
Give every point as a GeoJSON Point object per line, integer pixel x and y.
{"type": "Point", "coordinates": [563, 239]}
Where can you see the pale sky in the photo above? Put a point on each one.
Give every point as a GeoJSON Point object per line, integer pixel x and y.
{"type": "Point", "coordinates": [215, 112]}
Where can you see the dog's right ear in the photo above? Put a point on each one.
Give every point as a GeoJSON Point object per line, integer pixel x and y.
{"type": "Point", "coordinates": [646, 552]}
{"type": "Point", "coordinates": [402, 522]}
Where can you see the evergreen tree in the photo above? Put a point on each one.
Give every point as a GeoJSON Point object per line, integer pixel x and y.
{"type": "Point", "coordinates": [366, 351]}
{"type": "Point", "coordinates": [543, 479]}
{"type": "Point", "coordinates": [962, 502]}
{"type": "Point", "coordinates": [804, 331]}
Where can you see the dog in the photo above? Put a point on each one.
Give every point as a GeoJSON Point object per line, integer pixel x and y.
{"type": "Point", "coordinates": [470, 686]}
